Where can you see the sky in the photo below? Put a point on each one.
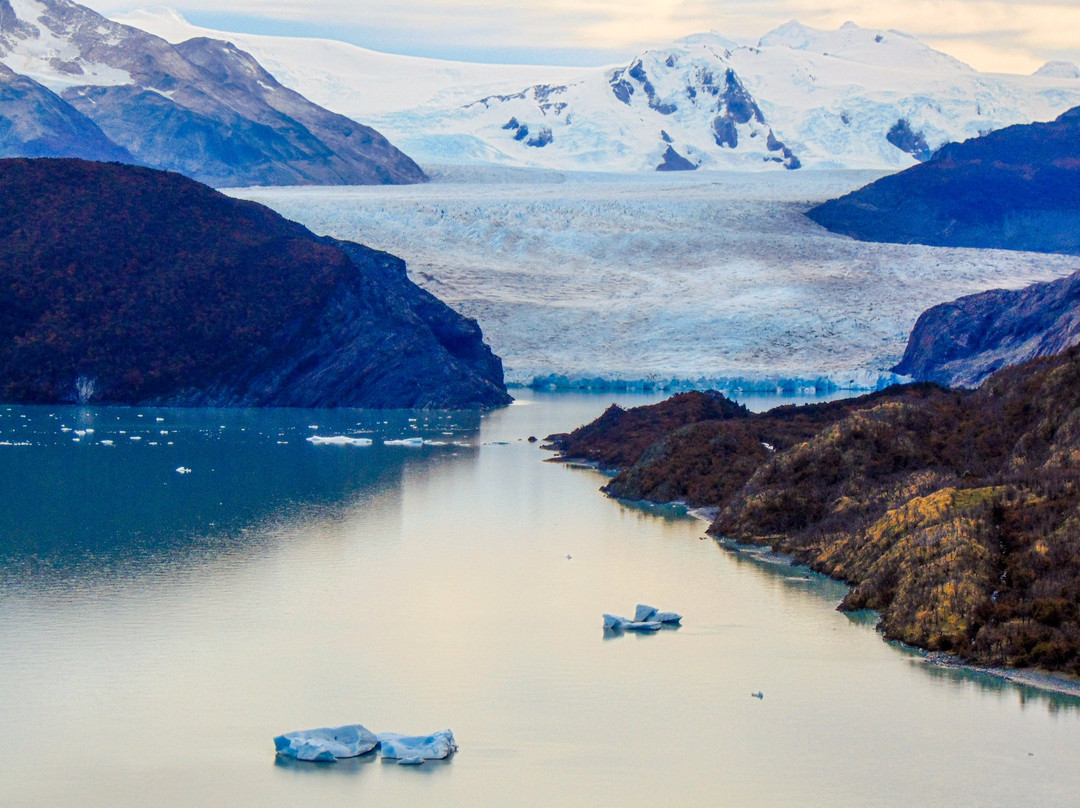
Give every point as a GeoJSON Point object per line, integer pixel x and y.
{"type": "Point", "coordinates": [1010, 36]}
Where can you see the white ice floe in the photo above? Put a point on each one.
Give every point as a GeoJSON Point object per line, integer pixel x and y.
{"type": "Point", "coordinates": [404, 442]}
{"type": "Point", "coordinates": [326, 744]}
{"type": "Point", "coordinates": [410, 750]}
{"type": "Point", "coordinates": [183, 470]}
{"type": "Point", "coordinates": [338, 440]}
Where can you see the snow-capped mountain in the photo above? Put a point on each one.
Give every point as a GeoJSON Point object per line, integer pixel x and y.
{"type": "Point", "coordinates": [203, 107]}
{"type": "Point", "coordinates": [850, 98]}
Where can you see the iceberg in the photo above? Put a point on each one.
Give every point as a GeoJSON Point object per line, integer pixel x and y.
{"type": "Point", "coordinates": [411, 750]}
{"type": "Point", "coordinates": [650, 613]}
{"type": "Point", "coordinates": [646, 618]}
{"type": "Point", "coordinates": [613, 622]}
{"type": "Point", "coordinates": [326, 744]}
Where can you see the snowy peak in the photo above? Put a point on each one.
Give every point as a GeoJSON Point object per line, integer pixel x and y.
{"type": "Point", "coordinates": [677, 108]}
{"type": "Point", "coordinates": [853, 43]}
{"type": "Point", "coordinates": [1058, 70]}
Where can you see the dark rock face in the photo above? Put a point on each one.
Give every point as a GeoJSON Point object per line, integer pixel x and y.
{"type": "Point", "coordinates": [1017, 188]}
{"type": "Point", "coordinates": [205, 108]}
{"type": "Point", "coordinates": [543, 138]}
{"type": "Point", "coordinates": [962, 342]}
{"type": "Point", "coordinates": [906, 140]}
{"type": "Point", "coordinates": [673, 161]}
{"type": "Point", "coordinates": [35, 123]}
{"type": "Point", "coordinates": [131, 285]}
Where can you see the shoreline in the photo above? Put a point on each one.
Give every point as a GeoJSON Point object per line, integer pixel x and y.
{"type": "Point", "coordinates": [1044, 681]}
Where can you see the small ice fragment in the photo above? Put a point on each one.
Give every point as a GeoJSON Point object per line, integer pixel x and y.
{"type": "Point", "coordinates": [435, 746]}
{"type": "Point", "coordinates": [136, 437]}
{"type": "Point", "coordinates": [159, 419]}
{"type": "Point", "coordinates": [89, 431]}
{"type": "Point", "coordinates": [404, 442]}
{"type": "Point", "coordinates": [326, 743]}
{"type": "Point", "coordinates": [183, 470]}
{"type": "Point", "coordinates": [105, 442]}
{"type": "Point", "coordinates": [312, 426]}
{"type": "Point", "coordinates": [758, 695]}
{"type": "Point", "coordinates": [338, 440]}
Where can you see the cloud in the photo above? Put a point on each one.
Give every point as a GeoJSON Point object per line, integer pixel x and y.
{"type": "Point", "coordinates": [1004, 35]}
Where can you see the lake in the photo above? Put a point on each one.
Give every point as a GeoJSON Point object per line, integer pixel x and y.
{"type": "Point", "coordinates": [158, 628]}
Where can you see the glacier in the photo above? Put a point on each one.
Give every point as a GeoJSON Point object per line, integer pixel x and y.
{"type": "Point", "coordinates": [701, 278]}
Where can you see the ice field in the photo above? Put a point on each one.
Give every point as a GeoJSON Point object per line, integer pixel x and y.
{"type": "Point", "coordinates": [692, 276]}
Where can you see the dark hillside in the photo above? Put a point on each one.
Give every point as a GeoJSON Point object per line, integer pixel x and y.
{"type": "Point", "coordinates": [1016, 188]}
{"type": "Point", "coordinates": [124, 284]}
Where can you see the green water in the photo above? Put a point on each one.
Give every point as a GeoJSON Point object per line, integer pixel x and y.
{"type": "Point", "coordinates": [157, 629]}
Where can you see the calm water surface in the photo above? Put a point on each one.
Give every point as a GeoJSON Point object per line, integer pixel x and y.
{"type": "Point", "coordinates": [157, 629]}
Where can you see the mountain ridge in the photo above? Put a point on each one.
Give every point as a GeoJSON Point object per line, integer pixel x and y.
{"type": "Point", "coordinates": [832, 102]}
{"type": "Point", "coordinates": [203, 108]}
{"type": "Point", "coordinates": [129, 285]}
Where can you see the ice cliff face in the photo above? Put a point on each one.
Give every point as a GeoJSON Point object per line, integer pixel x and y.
{"type": "Point", "coordinates": [129, 285]}
{"type": "Point", "coordinates": [203, 107]}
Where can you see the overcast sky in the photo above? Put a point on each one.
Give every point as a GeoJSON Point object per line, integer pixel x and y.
{"type": "Point", "coordinates": [1014, 36]}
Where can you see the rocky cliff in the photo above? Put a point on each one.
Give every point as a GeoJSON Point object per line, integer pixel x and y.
{"type": "Point", "coordinates": [952, 513]}
{"type": "Point", "coordinates": [130, 285]}
{"type": "Point", "coordinates": [962, 342]}
{"type": "Point", "coordinates": [1016, 188]}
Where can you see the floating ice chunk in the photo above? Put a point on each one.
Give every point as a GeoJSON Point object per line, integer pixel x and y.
{"type": "Point", "coordinates": [404, 442]}
{"type": "Point", "coordinates": [106, 442]}
{"type": "Point", "coordinates": [338, 440]}
{"type": "Point", "coordinates": [667, 617]}
{"type": "Point", "coordinates": [613, 622]}
{"type": "Point", "coordinates": [410, 750]}
{"type": "Point", "coordinates": [183, 470]}
{"type": "Point", "coordinates": [651, 613]}
{"type": "Point", "coordinates": [643, 612]}
{"type": "Point", "coordinates": [327, 743]}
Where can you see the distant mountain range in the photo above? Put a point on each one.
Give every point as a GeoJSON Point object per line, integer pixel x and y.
{"type": "Point", "coordinates": [128, 285]}
{"type": "Point", "coordinates": [73, 83]}
{"type": "Point", "coordinates": [850, 98]}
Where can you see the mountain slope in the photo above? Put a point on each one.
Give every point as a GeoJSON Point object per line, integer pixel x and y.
{"type": "Point", "coordinates": [35, 123]}
{"type": "Point", "coordinates": [130, 285]}
{"type": "Point", "coordinates": [203, 108]}
{"type": "Point", "coordinates": [1016, 188]}
{"type": "Point", "coordinates": [962, 342]}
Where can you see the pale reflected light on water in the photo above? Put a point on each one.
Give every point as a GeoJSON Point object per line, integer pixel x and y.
{"type": "Point", "coordinates": [157, 629]}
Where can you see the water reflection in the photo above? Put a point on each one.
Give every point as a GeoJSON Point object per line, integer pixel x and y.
{"type": "Point", "coordinates": [128, 488]}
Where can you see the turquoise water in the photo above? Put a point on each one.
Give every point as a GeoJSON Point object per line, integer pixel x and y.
{"type": "Point", "coordinates": [157, 629]}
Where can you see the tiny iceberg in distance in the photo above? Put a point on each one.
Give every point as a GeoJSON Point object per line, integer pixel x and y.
{"type": "Point", "coordinates": [404, 442]}
{"type": "Point", "coordinates": [338, 440]}
{"type": "Point", "coordinates": [646, 618]}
